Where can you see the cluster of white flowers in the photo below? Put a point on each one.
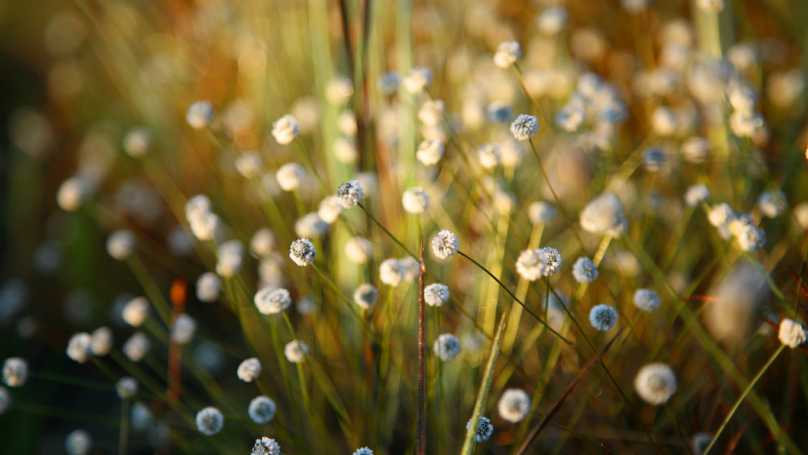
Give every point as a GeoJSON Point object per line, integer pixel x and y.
{"type": "Point", "coordinates": [739, 225]}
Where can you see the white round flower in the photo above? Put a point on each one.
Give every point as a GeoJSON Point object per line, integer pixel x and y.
{"type": "Point", "coordinates": [604, 215]}
{"type": "Point", "coordinates": [285, 129]}
{"type": "Point", "coordinates": [447, 347]}
{"type": "Point", "coordinates": [200, 115]}
{"type": "Point", "coordinates": [102, 341]}
{"type": "Point", "coordinates": [541, 213]}
{"type": "Point", "coordinates": [431, 112]}
{"type": "Point", "coordinates": [792, 333]}
{"type": "Point", "coordinates": [507, 54]}
{"type": "Point", "coordinates": [366, 295]}
{"type": "Point", "coordinates": [126, 387]}
{"type": "Point", "coordinates": [311, 226]}
{"type": "Point", "coordinates": [436, 294]}
{"type": "Point", "coordinates": [415, 200]}
{"type": "Point", "coordinates": [445, 244]}
{"type": "Point", "coordinates": [183, 329]}
{"type": "Point", "coordinates": [532, 264]}
{"type": "Point", "coordinates": [417, 80]}
{"type": "Point", "coordinates": [391, 272]}
{"type": "Point", "coordinates": [484, 429]}
{"type": "Point", "coordinates": [489, 155]}
{"type": "Point", "coordinates": [80, 347]}
{"type": "Point", "coordinates": [249, 369]}
{"type": "Point", "coordinates": [136, 311]}
{"type": "Point", "coordinates": [272, 301]}
{"type": "Point", "coordinates": [646, 300]}
{"type": "Point", "coordinates": [553, 258]}
{"type": "Point", "coordinates": [721, 214]}
{"type": "Point", "coordinates": [209, 421]}
{"type": "Point", "coordinates": [655, 383]}
{"type": "Point", "coordinates": [290, 176]}
{"type": "Point", "coordinates": [514, 405]}
{"type": "Point", "coordinates": [330, 209]}
{"type": "Point", "coordinates": [603, 317]}
{"type": "Point", "coordinates": [262, 410]}
{"type": "Point", "coordinates": [430, 152]}
{"type": "Point", "coordinates": [72, 193]}
{"type": "Point", "coordinates": [664, 121]}
{"type": "Point", "coordinates": [137, 142]}
{"type": "Point", "coordinates": [206, 226]}
{"type": "Point", "coordinates": [266, 446]}
{"type": "Point", "coordinates": [78, 442]}
{"type": "Point", "coordinates": [772, 203]}
{"type": "Point", "coordinates": [350, 193]}
{"type": "Point", "coordinates": [584, 270]}
{"type": "Point", "coordinates": [15, 371]}
{"type": "Point", "coordinates": [697, 194]}
{"type": "Point", "coordinates": [524, 127]}
{"type": "Point", "coordinates": [230, 258]}
{"type": "Point", "coordinates": [302, 252]}
{"type": "Point", "coordinates": [358, 250]}
{"type": "Point", "coordinates": [136, 347]}
{"type": "Point", "coordinates": [208, 287]}
{"type": "Point", "coordinates": [295, 351]}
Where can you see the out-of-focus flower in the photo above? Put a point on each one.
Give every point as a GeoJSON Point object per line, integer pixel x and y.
{"type": "Point", "coordinates": [200, 115]}
{"type": "Point", "coordinates": [436, 294]}
{"type": "Point", "coordinates": [78, 442]}
{"type": "Point", "coordinates": [604, 215]}
{"type": "Point", "coordinates": [391, 272]}
{"type": "Point", "coordinates": [136, 347]}
{"type": "Point", "coordinates": [365, 295]}
{"type": "Point", "coordinates": [295, 351]}
{"type": "Point", "coordinates": [603, 317]}
{"type": "Point", "coordinates": [417, 80]}
{"type": "Point", "coordinates": [208, 287]}
{"type": "Point", "coordinates": [489, 155]}
{"type": "Point", "coordinates": [249, 369]}
{"type": "Point", "coordinates": [15, 371]}
{"type": "Point", "coordinates": [655, 383]}
{"type": "Point", "coordinates": [262, 410]}
{"type": "Point", "coordinates": [445, 244]}
{"type": "Point", "coordinates": [272, 301]}
{"type": "Point", "coordinates": [209, 421]}
{"type": "Point", "coordinates": [514, 405]}
{"type": "Point", "coordinates": [183, 329]}
{"type": "Point", "coordinates": [646, 300]}
{"type": "Point", "coordinates": [79, 347]}
{"type": "Point", "coordinates": [447, 347]}
{"type": "Point", "coordinates": [285, 129]}
{"type": "Point", "coordinates": [290, 176]}
{"type": "Point", "coordinates": [792, 333]}
{"type": "Point", "coordinates": [507, 54]}
{"type": "Point", "coordinates": [415, 200]}
{"type": "Point", "coordinates": [772, 203]}
{"type": "Point", "coordinates": [136, 311]}
{"type": "Point", "coordinates": [126, 387]}
{"type": "Point", "coordinates": [584, 270]}
{"type": "Point", "coordinates": [358, 250]}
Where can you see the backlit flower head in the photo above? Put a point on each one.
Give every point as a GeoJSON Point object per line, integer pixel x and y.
{"type": "Point", "coordinates": [209, 421]}
{"type": "Point", "coordinates": [430, 152]}
{"type": "Point", "coordinates": [200, 115]}
{"type": "Point", "coordinates": [183, 329]}
{"type": "Point", "coordinates": [101, 341]}
{"type": "Point", "coordinates": [532, 264]}
{"type": "Point", "coordinates": [415, 200]}
{"type": "Point", "coordinates": [772, 203]}
{"type": "Point", "coordinates": [78, 442]}
{"type": "Point", "coordinates": [431, 112]}
{"type": "Point", "coordinates": [302, 252]}
{"type": "Point", "coordinates": [447, 347]}
{"type": "Point", "coordinates": [121, 244]}
{"type": "Point", "coordinates": [136, 311]}
{"type": "Point", "coordinates": [604, 215]}
{"type": "Point", "coordinates": [418, 79]}
{"type": "Point", "coordinates": [584, 270]}
{"type": "Point", "coordinates": [489, 155]}
{"type": "Point", "coordinates": [137, 142]}
{"type": "Point", "coordinates": [272, 301]}
{"type": "Point", "coordinates": [295, 351]}
{"type": "Point", "coordinates": [514, 405]}
{"type": "Point", "coordinates": [697, 194]}
{"type": "Point", "coordinates": [266, 446]}
{"type": "Point", "coordinates": [524, 127]}
{"type": "Point", "coordinates": [366, 295]}
{"type": "Point", "coordinates": [541, 213]}
{"type": "Point", "coordinates": [603, 317]}
{"type": "Point", "coordinates": [248, 370]}
{"type": "Point", "coordinates": [290, 176]}
{"type": "Point", "coordinates": [126, 387]}
{"type": "Point", "coordinates": [792, 333]}
{"type": "Point", "coordinates": [445, 244]}
{"type": "Point", "coordinates": [436, 294]}
{"type": "Point", "coordinates": [655, 383]}
{"type": "Point", "coordinates": [696, 149]}
{"type": "Point", "coordinates": [553, 258]}
{"type": "Point", "coordinates": [15, 371]}
{"type": "Point", "coordinates": [350, 193]}
{"type": "Point", "coordinates": [80, 347]}
{"type": "Point", "coordinates": [484, 429]}
{"type": "Point", "coordinates": [391, 272]}
{"type": "Point", "coordinates": [285, 129]}
{"type": "Point", "coordinates": [230, 256]}
{"type": "Point", "coordinates": [208, 286]}
{"type": "Point", "coordinates": [507, 54]}
{"type": "Point", "coordinates": [646, 300]}
{"type": "Point", "coordinates": [358, 250]}
{"type": "Point", "coordinates": [136, 347]}
{"type": "Point", "coordinates": [262, 409]}
{"type": "Point", "coordinates": [330, 209]}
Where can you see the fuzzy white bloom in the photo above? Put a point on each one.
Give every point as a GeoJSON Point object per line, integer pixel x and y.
{"type": "Point", "coordinates": [295, 351]}
{"type": "Point", "coordinates": [655, 383]}
{"type": "Point", "coordinates": [363, 451]}
{"type": "Point", "coordinates": [553, 258]}
{"type": "Point", "coordinates": [272, 301]}
{"type": "Point", "coordinates": [746, 124]}
{"type": "Point", "coordinates": [654, 159]}
{"type": "Point", "coordinates": [365, 295]}
{"type": "Point", "coordinates": [262, 410]}
{"type": "Point", "coordinates": [136, 311]}
{"type": "Point", "coordinates": [126, 387]}
{"type": "Point", "coordinates": [391, 272]}
{"type": "Point", "coordinates": [584, 270]}
{"type": "Point", "coordinates": [80, 347]}
{"type": "Point", "coordinates": [447, 347]}
{"type": "Point", "coordinates": [664, 121]}
{"type": "Point", "coordinates": [415, 200]}
{"type": "Point", "coordinates": [552, 20]}
{"type": "Point", "coordinates": [489, 155]}
{"type": "Point", "coordinates": [504, 202]}
{"type": "Point", "coordinates": [78, 442]}
{"type": "Point", "coordinates": [137, 142]}
{"type": "Point", "coordinates": [72, 193]}
{"type": "Point", "coordinates": [603, 317]}
{"type": "Point", "coordinates": [249, 369]}
{"type": "Point", "coordinates": [208, 286]}
{"type": "Point", "coordinates": [209, 421]}
{"type": "Point", "coordinates": [772, 203]}
{"type": "Point", "coordinates": [345, 150]}
{"type": "Point", "coordinates": [514, 405]}
{"type": "Point", "coordinates": [330, 209]}
{"type": "Point", "coordinates": [289, 176]}
{"type": "Point", "coordinates": [792, 333]}
{"type": "Point", "coordinates": [430, 152]}
{"type": "Point", "coordinates": [541, 213]}
{"type": "Point", "coordinates": [196, 206]}
{"type": "Point", "coordinates": [200, 115]}
{"type": "Point", "coordinates": [262, 243]}
{"type": "Point", "coordinates": [358, 250]}
{"type": "Point", "coordinates": [350, 193]}
{"type": "Point", "coordinates": [697, 194]}
{"type": "Point", "coordinates": [646, 300]}
{"type": "Point", "coordinates": [15, 371]}
{"type": "Point", "coordinates": [205, 226]}
{"type": "Point", "coordinates": [266, 446]}
{"type": "Point", "coordinates": [507, 54]}
{"type": "Point", "coordinates": [431, 112]}
{"type": "Point", "coordinates": [571, 117]}
{"type": "Point", "coordinates": [524, 127]}
{"type": "Point", "coordinates": [484, 429]}
{"type": "Point", "coordinates": [532, 264]}
{"type": "Point", "coordinates": [311, 225]}
{"type": "Point", "coordinates": [249, 164]}
{"type": "Point", "coordinates": [231, 256]}
{"type": "Point", "coordinates": [418, 79]}
{"type": "Point", "coordinates": [742, 98]}
{"type": "Point", "coordinates": [183, 329]}
{"type": "Point", "coordinates": [445, 244]}
{"type": "Point", "coordinates": [412, 267]}
{"type": "Point", "coordinates": [721, 214]}
{"type": "Point", "coordinates": [136, 347]}
{"type": "Point", "coordinates": [5, 400]}
{"type": "Point", "coordinates": [102, 341]}
{"type": "Point", "coordinates": [750, 237]}
{"type": "Point", "coordinates": [710, 5]}
{"type": "Point", "coordinates": [436, 294]}
{"type": "Point", "coordinates": [285, 129]}
{"type": "Point", "coordinates": [604, 215]}
{"type": "Point", "coordinates": [302, 252]}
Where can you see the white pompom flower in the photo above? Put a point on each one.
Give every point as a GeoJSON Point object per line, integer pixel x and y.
{"type": "Point", "coordinates": [208, 287]}
{"type": "Point", "coordinates": [447, 347]}
{"type": "Point", "coordinates": [532, 264]}
{"type": "Point", "coordinates": [646, 300]}
{"type": "Point", "coordinates": [350, 193]}
{"type": "Point", "coordinates": [445, 244]}
{"type": "Point", "coordinates": [183, 329]}
{"type": "Point", "coordinates": [262, 410]}
{"type": "Point", "coordinates": [126, 387]}
{"type": "Point", "coordinates": [392, 272]}
{"type": "Point", "coordinates": [209, 421]}
{"type": "Point", "coordinates": [200, 115]}
{"type": "Point", "coordinates": [584, 270]}
{"type": "Point", "coordinates": [136, 311]}
{"type": "Point", "coordinates": [272, 301]}
{"type": "Point", "coordinates": [436, 294]}
{"type": "Point", "coordinates": [792, 333]}
{"type": "Point", "coordinates": [302, 252]}
{"type": "Point", "coordinates": [249, 370]}
{"type": "Point", "coordinates": [415, 200]}
{"type": "Point", "coordinates": [285, 129]}
{"type": "Point", "coordinates": [80, 347]}
{"type": "Point", "coordinates": [295, 351]}
{"type": "Point", "coordinates": [266, 446]}
{"type": "Point", "coordinates": [655, 383]}
{"type": "Point", "coordinates": [430, 152]}
{"type": "Point", "coordinates": [15, 371]}
{"type": "Point", "coordinates": [507, 54]}
{"type": "Point", "coordinates": [553, 258]}
{"type": "Point", "coordinates": [366, 295]}
{"type": "Point", "coordinates": [603, 317]}
{"type": "Point", "coordinates": [121, 244]}
{"type": "Point", "coordinates": [514, 405]}
{"type": "Point", "coordinates": [484, 429]}
{"type": "Point", "coordinates": [524, 127]}
{"type": "Point", "coordinates": [290, 176]}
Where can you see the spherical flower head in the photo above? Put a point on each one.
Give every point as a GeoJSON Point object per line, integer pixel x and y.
{"type": "Point", "coordinates": [524, 127]}
{"type": "Point", "coordinates": [553, 258]}
{"type": "Point", "coordinates": [350, 194]}
{"type": "Point", "coordinates": [654, 159]}
{"type": "Point", "coordinates": [78, 442]}
{"type": "Point", "coordinates": [363, 451]}
{"type": "Point", "coordinates": [208, 287]}
{"type": "Point", "coordinates": [430, 152]}
{"type": "Point", "coordinates": [136, 311]}
{"type": "Point", "coordinates": [311, 225]}
{"type": "Point", "coordinates": [209, 421]}
{"type": "Point", "coordinates": [655, 383]}
{"type": "Point", "coordinates": [200, 115]}
{"type": "Point", "coordinates": [249, 369]}
{"type": "Point", "coordinates": [121, 244]}
{"type": "Point", "coordinates": [603, 317]}
{"type": "Point", "coordinates": [436, 294]}
{"type": "Point", "coordinates": [447, 347]}
{"type": "Point", "coordinates": [541, 213]}
{"type": "Point", "coordinates": [15, 371]}
{"type": "Point", "coordinates": [295, 351]}
{"type": "Point", "coordinates": [5, 400]}
{"type": "Point", "coordinates": [697, 194]}
{"type": "Point", "coordinates": [358, 250]}
{"type": "Point", "coordinates": [484, 429]}
{"type": "Point", "coordinates": [196, 206]}
{"type": "Point", "coordinates": [72, 193]}
{"type": "Point", "coordinates": [431, 112]}
{"type": "Point", "coordinates": [285, 129]}
{"type": "Point", "coordinates": [646, 300]}
{"type": "Point", "coordinates": [792, 333]}
{"type": "Point", "coordinates": [584, 270]}
{"type": "Point", "coordinates": [136, 347]}
{"type": "Point", "coordinates": [721, 214]}
{"type": "Point", "coordinates": [266, 446]}
{"type": "Point", "coordinates": [137, 142]}
{"type": "Point", "coordinates": [514, 405]}
{"type": "Point", "coordinates": [507, 54]}
{"type": "Point", "coordinates": [489, 155]}
{"type": "Point", "coordinates": [696, 150]}
{"type": "Point", "coordinates": [415, 200]}
{"type": "Point", "coordinates": [391, 272]}
{"type": "Point", "coordinates": [366, 295]}
{"type": "Point", "coordinates": [80, 347]}
{"type": "Point", "coordinates": [445, 244]}
{"type": "Point", "coordinates": [126, 387]}
{"type": "Point", "coordinates": [418, 79]}
{"type": "Point", "coordinates": [604, 215]}
{"type": "Point", "coordinates": [330, 209]}
{"type": "Point", "coordinates": [532, 264]}
{"type": "Point", "coordinates": [262, 410]}
{"type": "Point", "coordinates": [302, 252]}
{"type": "Point", "coordinates": [102, 341]}
{"type": "Point", "coordinates": [289, 176]}
{"type": "Point", "coordinates": [772, 203]}
{"type": "Point", "coordinates": [272, 301]}
{"type": "Point", "coordinates": [206, 226]}
{"type": "Point", "coordinates": [230, 257]}
{"type": "Point", "coordinates": [750, 237]}
{"type": "Point", "coordinates": [183, 329]}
